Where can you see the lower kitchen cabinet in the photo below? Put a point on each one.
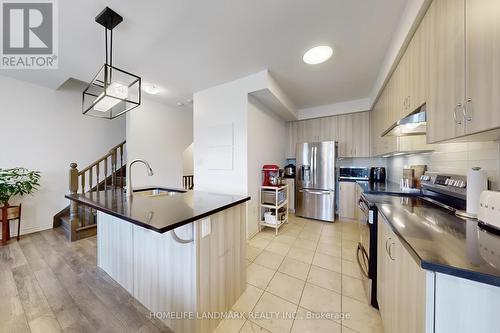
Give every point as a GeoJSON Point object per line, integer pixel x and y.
{"type": "Point", "coordinates": [348, 198]}
{"type": "Point", "coordinates": [405, 292]}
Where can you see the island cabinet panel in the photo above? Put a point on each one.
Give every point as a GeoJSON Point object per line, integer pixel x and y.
{"type": "Point", "coordinates": [115, 248]}
{"type": "Point", "coordinates": [195, 271]}
{"type": "Point", "coordinates": [165, 274]}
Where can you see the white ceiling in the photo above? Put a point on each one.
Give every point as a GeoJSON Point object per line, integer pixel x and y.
{"type": "Point", "coordinates": [187, 45]}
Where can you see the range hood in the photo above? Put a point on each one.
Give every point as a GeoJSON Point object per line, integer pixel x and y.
{"type": "Point", "coordinates": [413, 124]}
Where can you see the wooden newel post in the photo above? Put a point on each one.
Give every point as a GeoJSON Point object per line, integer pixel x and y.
{"type": "Point", "coordinates": [73, 210]}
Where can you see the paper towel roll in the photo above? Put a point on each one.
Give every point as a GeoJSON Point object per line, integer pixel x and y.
{"type": "Point", "coordinates": [477, 182]}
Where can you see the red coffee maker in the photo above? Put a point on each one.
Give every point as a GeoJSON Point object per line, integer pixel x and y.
{"type": "Point", "coordinates": [270, 175]}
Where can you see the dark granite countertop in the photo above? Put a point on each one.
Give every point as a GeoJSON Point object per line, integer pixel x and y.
{"type": "Point", "coordinates": [388, 187]}
{"type": "Point", "coordinates": [441, 242]}
{"type": "Point", "coordinates": [159, 213]}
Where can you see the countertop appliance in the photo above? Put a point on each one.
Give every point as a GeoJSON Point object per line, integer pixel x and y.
{"type": "Point", "coordinates": [489, 211]}
{"type": "Point", "coordinates": [445, 190]}
{"type": "Point", "coordinates": [315, 180]}
{"type": "Point", "coordinates": [270, 175]}
{"type": "Point", "coordinates": [353, 173]}
{"type": "Point", "coordinates": [377, 174]}
{"type": "Point", "coordinates": [290, 171]}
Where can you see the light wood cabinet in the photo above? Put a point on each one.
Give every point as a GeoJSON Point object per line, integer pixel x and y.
{"type": "Point", "coordinates": [351, 131]}
{"type": "Point", "coordinates": [447, 70]}
{"type": "Point", "coordinates": [482, 103]}
{"type": "Point", "coordinates": [348, 194]}
{"type": "Point", "coordinates": [403, 291]}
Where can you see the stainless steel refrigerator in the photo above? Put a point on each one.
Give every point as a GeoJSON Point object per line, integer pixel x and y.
{"type": "Point", "coordinates": [315, 180]}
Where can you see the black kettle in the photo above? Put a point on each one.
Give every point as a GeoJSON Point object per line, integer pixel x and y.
{"type": "Point", "coordinates": [290, 171]}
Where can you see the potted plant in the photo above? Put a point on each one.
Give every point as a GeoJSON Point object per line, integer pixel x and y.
{"type": "Point", "coordinates": [17, 181]}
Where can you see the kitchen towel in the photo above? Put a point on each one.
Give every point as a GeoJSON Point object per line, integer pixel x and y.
{"type": "Point", "coordinates": [477, 182]}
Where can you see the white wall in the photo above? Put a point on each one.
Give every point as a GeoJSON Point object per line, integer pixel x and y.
{"type": "Point", "coordinates": [44, 129]}
{"type": "Point", "coordinates": [187, 161]}
{"type": "Point", "coordinates": [267, 143]}
{"type": "Point", "coordinates": [159, 134]}
{"type": "Point", "coordinates": [454, 158]}
{"type": "Point", "coordinates": [217, 107]}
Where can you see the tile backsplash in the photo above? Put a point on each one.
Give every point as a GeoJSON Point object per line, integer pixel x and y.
{"type": "Point", "coordinates": [455, 158]}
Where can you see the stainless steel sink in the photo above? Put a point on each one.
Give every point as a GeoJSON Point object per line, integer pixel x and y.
{"type": "Point", "coordinates": [156, 192]}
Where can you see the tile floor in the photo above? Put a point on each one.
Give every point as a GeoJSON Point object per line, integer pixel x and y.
{"type": "Point", "coordinates": [308, 269]}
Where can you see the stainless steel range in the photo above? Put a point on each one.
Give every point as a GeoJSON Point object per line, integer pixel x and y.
{"type": "Point", "coordinates": [444, 190]}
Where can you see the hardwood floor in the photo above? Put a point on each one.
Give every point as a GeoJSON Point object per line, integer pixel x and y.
{"type": "Point", "coordinates": [48, 284]}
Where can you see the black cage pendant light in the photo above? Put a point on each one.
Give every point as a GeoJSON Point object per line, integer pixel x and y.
{"type": "Point", "coordinates": [112, 91]}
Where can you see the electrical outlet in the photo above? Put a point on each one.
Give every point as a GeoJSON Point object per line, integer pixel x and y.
{"type": "Point", "coordinates": [206, 227]}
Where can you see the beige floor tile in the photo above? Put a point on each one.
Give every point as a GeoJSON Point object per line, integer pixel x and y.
{"type": "Point", "coordinates": [250, 327]}
{"type": "Point", "coordinates": [328, 262]}
{"type": "Point", "coordinates": [310, 322]}
{"type": "Point", "coordinates": [248, 299]}
{"type": "Point", "coordinates": [334, 240]}
{"type": "Point", "coordinates": [349, 245]}
{"type": "Point", "coordinates": [269, 259]}
{"type": "Point", "coordinates": [353, 288]}
{"type": "Point", "coordinates": [330, 249]}
{"type": "Point", "coordinates": [259, 276]}
{"type": "Point", "coordinates": [286, 287]}
{"type": "Point", "coordinates": [305, 244]}
{"type": "Point", "coordinates": [263, 235]}
{"type": "Point", "coordinates": [351, 268]}
{"type": "Point", "coordinates": [353, 237]}
{"type": "Point", "coordinates": [309, 235]}
{"type": "Point", "coordinates": [301, 254]}
{"type": "Point", "coordinates": [277, 323]}
{"type": "Point", "coordinates": [252, 252]}
{"type": "Point", "coordinates": [349, 254]}
{"type": "Point", "coordinates": [260, 243]}
{"type": "Point", "coordinates": [279, 248]}
{"type": "Point", "coordinates": [319, 299]}
{"type": "Point", "coordinates": [230, 325]}
{"type": "Point", "coordinates": [295, 268]}
{"type": "Point", "coordinates": [346, 329]}
{"type": "Point", "coordinates": [325, 278]}
{"type": "Point", "coordinates": [362, 317]}
{"type": "Point", "coordinates": [285, 239]}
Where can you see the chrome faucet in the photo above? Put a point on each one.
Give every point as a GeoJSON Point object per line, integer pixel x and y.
{"type": "Point", "coordinates": [129, 175]}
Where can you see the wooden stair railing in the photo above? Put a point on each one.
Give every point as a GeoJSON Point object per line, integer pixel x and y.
{"type": "Point", "coordinates": [107, 171]}
{"type": "Point", "coordinates": [188, 182]}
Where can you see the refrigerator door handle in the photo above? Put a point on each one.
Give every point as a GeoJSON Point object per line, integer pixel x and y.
{"type": "Point", "coordinates": [326, 192]}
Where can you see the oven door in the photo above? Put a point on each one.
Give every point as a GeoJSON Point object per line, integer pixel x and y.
{"type": "Point", "coordinates": [362, 254]}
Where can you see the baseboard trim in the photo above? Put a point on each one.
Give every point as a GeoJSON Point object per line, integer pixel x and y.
{"type": "Point", "coordinates": [26, 230]}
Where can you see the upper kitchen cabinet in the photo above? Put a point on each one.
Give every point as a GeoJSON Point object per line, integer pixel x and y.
{"type": "Point", "coordinates": [482, 103]}
{"type": "Point", "coordinates": [446, 70]}
{"type": "Point", "coordinates": [464, 71]}
{"type": "Point", "coordinates": [354, 134]}
{"type": "Point", "coordinates": [418, 79]}
{"type": "Point", "coordinates": [352, 131]}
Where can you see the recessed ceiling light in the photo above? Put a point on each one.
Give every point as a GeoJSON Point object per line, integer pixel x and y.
{"type": "Point", "coordinates": [318, 54]}
{"type": "Point", "coordinates": [151, 88]}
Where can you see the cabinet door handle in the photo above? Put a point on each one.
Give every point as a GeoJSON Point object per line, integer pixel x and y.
{"type": "Point", "coordinates": [457, 120]}
{"type": "Point", "coordinates": [386, 247]}
{"type": "Point", "coordinates": [390, 251]}
{"type": "Point", "coordinates": [465, 110]}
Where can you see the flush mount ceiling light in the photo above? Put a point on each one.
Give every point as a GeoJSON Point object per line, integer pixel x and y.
{"type": "Point", "coordinates": [151, 88]}
{"type": "Point", "coordinates": [112, 91]}
{"type": "Point", "coordinates": [318, 55]}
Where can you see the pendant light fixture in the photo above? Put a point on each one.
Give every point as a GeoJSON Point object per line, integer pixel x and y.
{"type": "Point", "coordinates": [112, 91]}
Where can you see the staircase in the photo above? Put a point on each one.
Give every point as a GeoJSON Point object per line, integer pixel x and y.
{"type": "Point", "coordinates": [109, 171]}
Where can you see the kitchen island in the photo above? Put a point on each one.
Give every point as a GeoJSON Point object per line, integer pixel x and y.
{"type": "Point", "coordinates": [181, 254]}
